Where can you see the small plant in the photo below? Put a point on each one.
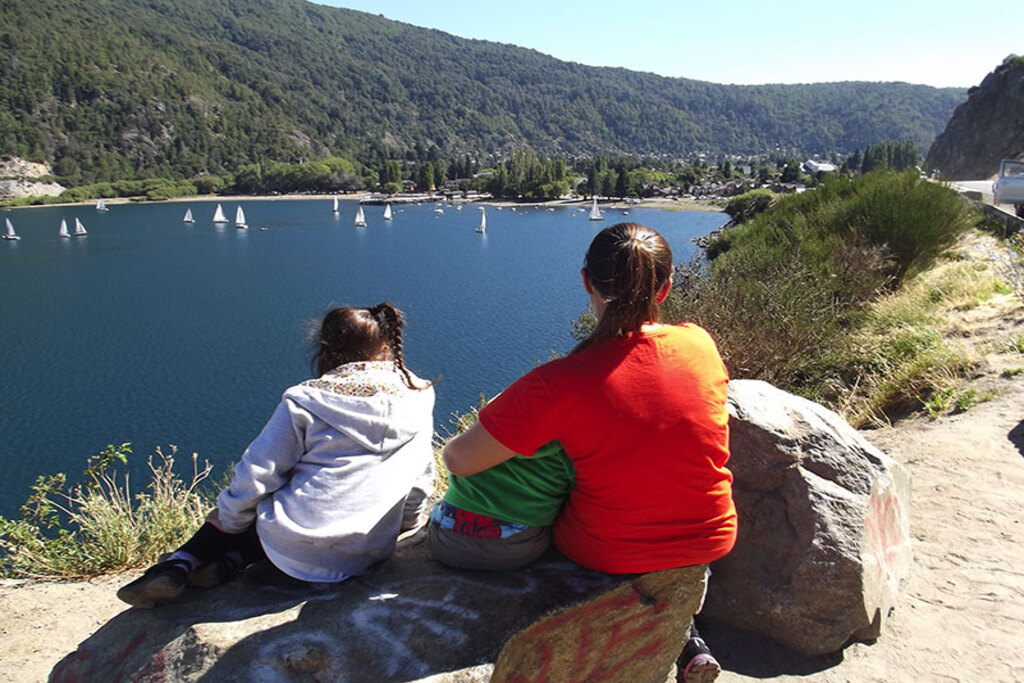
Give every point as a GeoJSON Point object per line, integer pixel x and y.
{"type": "Point", "coordinates": [965, 401]}
{"type": "Point", "coordinates": [1012, 372]}
{"type": "Point", "coordinates": [1015, 344]}
{"type": "Point", "coordinates": [99, 526]}
{"type": "Point", "coordinates": [938, 403]}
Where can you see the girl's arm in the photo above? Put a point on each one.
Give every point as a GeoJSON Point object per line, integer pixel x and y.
{"type": "Point", "coordinates": [265, 467]}
{"type": "Point", "coordinates": [473, 451]}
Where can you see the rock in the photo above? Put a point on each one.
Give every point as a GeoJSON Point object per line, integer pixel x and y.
{"type": "Point", "coordinates": [16, 167]}
{"type": "Point", "coordinates": [986, 128]}
{"type": "Point", "coordinates": [633, 632]}
{"type": "Point", "coordinates": [17, 188]}
{"type": "Point", "coordinates": [823, 545]}
{"type": "Point", "coordinates": [20, 178]}
{"type": "Point", "coordinates": [824, 532]}
{"type": "Point", "coordinates": [413, 619]}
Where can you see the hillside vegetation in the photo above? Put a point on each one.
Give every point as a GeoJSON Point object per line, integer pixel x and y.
{"type": "Point", "coordinates": [820, 293]}
{"type": "Point", "coordinates": [122, 89]}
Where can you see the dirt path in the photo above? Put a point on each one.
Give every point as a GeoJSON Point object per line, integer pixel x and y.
{"type": "Point", "coordinates": [962, 614]}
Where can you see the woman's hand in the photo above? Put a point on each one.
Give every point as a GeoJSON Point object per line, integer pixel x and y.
{"type": "Point", "coordinates": [475, 450]}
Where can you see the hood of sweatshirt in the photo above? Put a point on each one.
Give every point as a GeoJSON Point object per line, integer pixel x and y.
{"type": "Point", "coordinates": [369, 402]}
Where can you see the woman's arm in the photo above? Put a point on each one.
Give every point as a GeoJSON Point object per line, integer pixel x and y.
{"type": "Point", "coordinates": [473, 451]}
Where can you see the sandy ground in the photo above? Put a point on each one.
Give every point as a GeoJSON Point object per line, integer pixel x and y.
{"type": "Point", "coordinates": [961, 617]}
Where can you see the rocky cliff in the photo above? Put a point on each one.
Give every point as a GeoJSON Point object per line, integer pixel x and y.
{"type": "Point", "coordinates": [988, 127]}
{"type": "Point", "coordinates": [20, 178]}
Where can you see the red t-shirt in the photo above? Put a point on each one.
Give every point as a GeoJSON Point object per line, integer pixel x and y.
{"type": "Point", "coordinates": [643, 419]}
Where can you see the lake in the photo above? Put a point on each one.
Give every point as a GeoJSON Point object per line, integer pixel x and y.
{"type": "Point", "coordinates": [157, 332]}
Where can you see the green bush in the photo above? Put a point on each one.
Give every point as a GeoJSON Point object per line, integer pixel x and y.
{"type": "Point", "coordinates": [744, 207]}
{"type": "Point", "coordinates": [100, 526]}
{"type": "Point", "coordinates": [785, 291]}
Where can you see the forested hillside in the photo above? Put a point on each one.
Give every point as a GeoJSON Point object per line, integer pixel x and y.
{"type": "Point", "coordinates": [133, 88]}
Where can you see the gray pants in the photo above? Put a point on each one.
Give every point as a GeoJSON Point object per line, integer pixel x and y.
{"type": "Point", "coordinates": [488, 554]}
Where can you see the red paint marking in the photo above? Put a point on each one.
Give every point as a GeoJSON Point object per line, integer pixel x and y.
{"type": "Point", "coordinates": [598, 656]}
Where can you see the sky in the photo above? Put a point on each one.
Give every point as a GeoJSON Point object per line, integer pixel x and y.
{"type": "Point", "coordinates": [932, 42]}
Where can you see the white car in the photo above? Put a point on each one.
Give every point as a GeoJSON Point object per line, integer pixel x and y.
{"type": "Point", "coordinates": [1008, 188]}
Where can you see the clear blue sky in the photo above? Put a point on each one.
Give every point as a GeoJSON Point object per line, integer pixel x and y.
{"type": "Point", "coordinates": [934, 42]}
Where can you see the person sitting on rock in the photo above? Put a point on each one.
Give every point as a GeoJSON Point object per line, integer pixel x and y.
{"type": "Point", "coordinates": [639, 409]}
{"type": "Point", "coordinates": [345, 462]}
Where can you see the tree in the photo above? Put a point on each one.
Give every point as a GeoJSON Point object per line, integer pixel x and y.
{"type": "Point", "coordinates": [791, 173]}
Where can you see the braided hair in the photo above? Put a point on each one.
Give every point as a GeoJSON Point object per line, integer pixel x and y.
{"type": "Point", "coordinates": [349, 335]}
{"type": "Point", "coordinates": [628, 264]}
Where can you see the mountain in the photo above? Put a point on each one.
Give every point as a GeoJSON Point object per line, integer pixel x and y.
{"type": "Point", "coordinates": [985, 129]}
{"type": "Point", "coordinates": [125, 88]}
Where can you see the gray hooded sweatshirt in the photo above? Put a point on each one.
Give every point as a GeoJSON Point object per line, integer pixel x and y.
{"type": "Point", "coordinates": [328, 478]}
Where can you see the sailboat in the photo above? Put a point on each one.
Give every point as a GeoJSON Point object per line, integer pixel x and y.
{"type": "Point", "coordinates": [335, 205]}
{"type": "Point", "coordinates": [387, 212]}
{"type": "Point", "coordinates": [101, 205]}
{"type": "Point", "coordinates": [218, 215]}
{"type": "Point", "coordinates": [360, 218]}
{"type": "Point", "coordinates": [79, 228]}
{"type": "Point", "coordinates": [188, 217]}
{"type": "Point", "coordinates": [9, 233]}
{"type": "Point", "coordinates": [483, 221]}
{"type": "Point", "coordinates": [595, 213]}
{"type": "Point", "coordinates": [240, 219]}
{"type": "Point", "coordinates": [63, 231]}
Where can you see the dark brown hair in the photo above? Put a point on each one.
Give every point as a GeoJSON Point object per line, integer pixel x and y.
{"type": "Point", "coordinates": [349, 335]}
{"type": "Point", "coordinates": [628, 264]}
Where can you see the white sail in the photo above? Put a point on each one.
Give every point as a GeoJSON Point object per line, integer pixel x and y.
{"type": "Point", "coordinates": [188, 217]}
{"type": "Point", "coordinates": [483, 221]}
{"type": "Point", "coordinates": [387, 212]}
{"type": "Point", "coordinates": [335, 205]}
{"type": "Point", "coordinates": [360, 217]}
{"type": "Point", "coordinates": [63, 231]}
{"type": "Point", "coordinates": [9, 233]}
{"type": "Point", "coordinates": [240, 218]}
{"type": "Point", "coordinates": [101, 205]}
{"type": "Point", "coordinates": [79, 228]}
{"type": "Point", "coordinates": [218, 215]}
{"type": "Point", "coordinates": [595, 213]}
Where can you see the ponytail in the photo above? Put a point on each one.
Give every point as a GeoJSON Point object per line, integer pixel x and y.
{"type": "Point", "coordinates": [628, 265]}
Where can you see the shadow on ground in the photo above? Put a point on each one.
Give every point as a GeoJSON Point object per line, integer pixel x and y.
{"type": "Point", "coordinates": [1016, 437]}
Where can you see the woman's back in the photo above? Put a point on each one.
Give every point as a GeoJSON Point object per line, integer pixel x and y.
{"type": "Point", "coordinates": [643, 418]}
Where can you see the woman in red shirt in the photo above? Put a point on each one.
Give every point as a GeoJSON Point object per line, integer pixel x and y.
{"type": "Point", "coordinates": [639, 408]}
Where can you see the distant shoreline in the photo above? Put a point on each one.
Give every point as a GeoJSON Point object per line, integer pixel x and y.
{"type": "Point", "coordinates": [708, 205]}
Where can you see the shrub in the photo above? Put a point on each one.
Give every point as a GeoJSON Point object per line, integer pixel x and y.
{"type": "Point", "coordinates": [744, 207]}
{"type": "Point", "coordinates": [786, 293]}
{"type": "Point", "coordinates": [100, 526]}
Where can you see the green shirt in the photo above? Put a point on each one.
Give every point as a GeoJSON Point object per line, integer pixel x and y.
{"type": "Point", "coordinates": [524, 490]}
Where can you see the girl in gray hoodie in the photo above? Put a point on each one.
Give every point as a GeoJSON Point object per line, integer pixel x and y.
{"type": "Point", "coordinates": [343, 465]}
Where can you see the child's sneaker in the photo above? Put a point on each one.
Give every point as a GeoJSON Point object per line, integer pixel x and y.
{"type": "Point", "coordinates": [697, 662]}
{"type": "Point", "coordinates": [160, 582]}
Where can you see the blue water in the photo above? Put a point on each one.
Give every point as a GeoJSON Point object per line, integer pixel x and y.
{"type": "Point", "coordinates": [157, 332]}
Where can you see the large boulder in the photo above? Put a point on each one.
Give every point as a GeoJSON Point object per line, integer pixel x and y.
{"type": "Point", "coordinates": [823, 545]}
{"type": "Point", "coordinates": [824, 531]}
